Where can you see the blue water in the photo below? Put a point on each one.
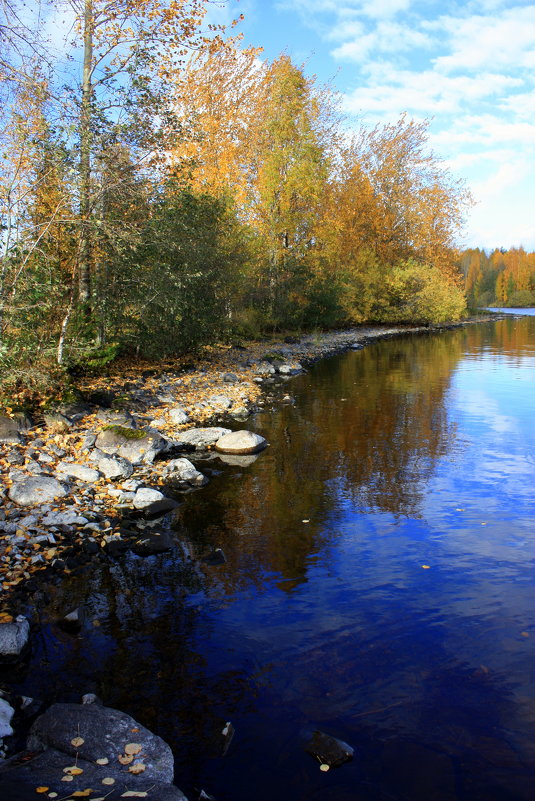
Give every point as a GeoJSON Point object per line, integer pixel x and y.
{"type": "Point", "coordinates": [379, 586]}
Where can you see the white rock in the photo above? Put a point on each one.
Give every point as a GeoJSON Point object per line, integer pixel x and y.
{"type": "Point", "coordinates": [145, 496]}
{"type": "Point", "coordinates": [80, 471]}
{"type": "Point", "coordinates": [184, 470]}
{"type": "Point", "coordinates": [14, 637]}
{"type": "Point", "coordinates": [67, 518]}
{"type": "Point", "coordinates": [35, 490]}
{"type": "Point", "coordinates": [240, 442]}
{"type": "Point", "coordinates": [178, 416]}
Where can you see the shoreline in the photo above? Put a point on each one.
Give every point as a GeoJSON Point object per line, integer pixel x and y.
{"type": "Point", "coordinates": [225, 386]}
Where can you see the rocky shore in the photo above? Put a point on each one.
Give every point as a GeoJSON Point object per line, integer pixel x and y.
{"type": "Point", "coordinates": [96, 478]}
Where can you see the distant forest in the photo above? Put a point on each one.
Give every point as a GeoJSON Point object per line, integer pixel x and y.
{"type": "Point", "coordinates": [502, 278]}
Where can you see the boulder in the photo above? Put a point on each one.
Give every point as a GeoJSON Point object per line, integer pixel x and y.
{"type": "Point", "coordinates": [327, 749]}
{"type": "Point", "coordinates": [290, 368]}
{"type": "Point", "coordinates": [105, 733]}
{"type": "Point", "coordinates": [83, 736]}
{"type": "Point", "coordinates": [220, 401]}
{"type": "Point", "coordinates": [240, 442]}
{"type": "Point", "coordinates": [69, 517]}
{"type": "Point", "coordinates": [153, 542]}
{"type": "Point", "coordinates": [112, 467]}
{"type": "Point", "coordinates": [9, 430]}
{"type": "Point", "coordinates": [36, 490]}
{"type": "Point", "coordinates": [178, 416]}
{"type": "Point", "coordinates": [139, 446]}
{"type": "Point", "coordinates": [184, 472]}
{"type": "Point", "coordinates": [57, 421]}
{"type": "Point", "coordinates": [201, 438]}
{"type": "Point", "coordinates": [79, 471]}
{"type": "Point", "coordinates": [265, 368]}
{"type": "Point", "coordinates": [14, 639]}
{"type": "Point", "coordinates": [6, 714]}
{"type": "Point", "coordinates": [159, 508]}
{"type": "Point", "coordinates": [146, 497]}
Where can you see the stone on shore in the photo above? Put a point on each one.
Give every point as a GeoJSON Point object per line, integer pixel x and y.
{"type": "Point", "coordinates": [112, 467]}
{"type": "Point", "coordinates": [202, 438]}
{"type": "Point", "coordinates": [79, 471]}
{"type": "Point", "coordinates": [6, 715]}
{"type": "Point", "coordinates": [10, 428]}
{"type": "Point", "coordinates": [139, 446]}
{"type": "Point", "coordinates": [184, 472]}
{"type": "Point", "coordinates": [240, 442]}
{"type": "Point", "coordinates": [178, 416]}
{"type": "Point", "coordinates": [36, 490]}
{"type": "Point", "coordinates": [145, 497]}
{"type": "Point", "coordinates": [14, 638]}
{"type": "Point", "coordinates": [75, 740]}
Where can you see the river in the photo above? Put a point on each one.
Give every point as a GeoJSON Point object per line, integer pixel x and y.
{"type": "Point", "coordinates": [378, 586]}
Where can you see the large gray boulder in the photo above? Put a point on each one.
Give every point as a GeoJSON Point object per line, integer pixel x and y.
{"type": "Point", "coordinates": [105, 733]}
{"type": "Point", "coordinates": [14, 638]}
{"type": "Point", "coordinates": [139, 446]}
{"type": "Point", "coordinates": [79, 471]}
{"type": "Point", "coordinates": [36, 490]}
{"type": "Point", "coordinates": [98, 747]}
{"type": "Point", "coordinates": [201, 438]}
{"type": "Point", "coordinates": [240, 442]}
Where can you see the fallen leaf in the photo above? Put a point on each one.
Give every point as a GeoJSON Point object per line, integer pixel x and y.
{"type": "Point", "coordinates": [73, 770]}
{"type": "Point", "coordinates": [108, 780]}
{"type": "Point", "coordinates": [524, 633]}
{"type": "Point", "coordinates": [125, 759]}
{"type": "Point", "coordinates": [83, 793]}
{"type": "Point", "coordinates": [132, 748]}
{"type": "Point", "coordinates": [324, 767]}
{"type": "Point", "coordinates": [41, 789]}
{"type": "Point", "coordinates": [77, 742]}
{"type": "Point", "coordinates": [426, 567]}
{"type": "Point", "coordinates": [138, 767]}
{"type": "Point", "coordinates": [132, 794]}
{"type": "Point", "coordinates": [102, 761]}
{"type": "Point", "coordinates": [67, 778]}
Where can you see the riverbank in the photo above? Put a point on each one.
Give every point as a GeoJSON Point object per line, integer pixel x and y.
{"type": "Point", "coordinates": [71, 479]}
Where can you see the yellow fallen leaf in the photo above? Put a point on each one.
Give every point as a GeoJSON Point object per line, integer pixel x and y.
{"type": "Point", "coordinates": [426, 567]}
{"type": "Point", "coordinates": [73, 770]}
{"type": "Point", "coordinates": [77, 742]}
{"type": "Point", "coordinates": [524, 633]}
{"type": "Point", "coordinates": [108, 780]}
{"type": "Point", "coordinates": [324, 767]}
{"type": "Point", "coordinates": [125, 759]}
{"type": "Point", "coordinates": [102, 761]}
{"type": "Point", "coordinates": [83, 793]}
{"type": "Point", "coordinates": [138, 767]}
{"type": "Point", "coordinates": [132, 748]}
{"type": "Point", "coordinates": [41, 789]}
{"type": "Point", "coordinates": [67, 778]}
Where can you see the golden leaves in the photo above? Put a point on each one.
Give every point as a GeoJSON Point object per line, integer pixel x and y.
{"type": "Point", "coordinates": [132, 748]}
{"type": "Point", "coordinates": [77, 742]}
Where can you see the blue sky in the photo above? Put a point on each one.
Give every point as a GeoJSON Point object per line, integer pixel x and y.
{"type": "Point", "coordinates": [470, 66]}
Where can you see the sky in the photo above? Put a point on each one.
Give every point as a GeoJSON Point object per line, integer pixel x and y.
{"type": "Point", "coordinates": [468, 67]}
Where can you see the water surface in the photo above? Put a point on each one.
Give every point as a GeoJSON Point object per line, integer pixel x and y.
{"type": "Point", "coordinates": [379, 586]}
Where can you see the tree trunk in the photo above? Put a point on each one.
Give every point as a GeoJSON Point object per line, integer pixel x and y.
{"type": "Point", "coordinates": [84, 264]}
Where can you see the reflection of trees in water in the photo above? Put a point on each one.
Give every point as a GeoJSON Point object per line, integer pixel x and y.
{"type": "Point", "coordinates": [370, 425]}
{"type": "Point", "coordinates": [512, 338]}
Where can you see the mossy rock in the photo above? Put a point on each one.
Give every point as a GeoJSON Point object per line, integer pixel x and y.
{"type": "Point", "coordinates": [127, 433]}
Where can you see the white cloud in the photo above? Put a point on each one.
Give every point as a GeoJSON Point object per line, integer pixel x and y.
{"type": "Point", "coordinates": [426, 92]}
{"type": "Point", "coordinates": [479, 41]}
{"type": "Point", "coordinates": [388, 37]}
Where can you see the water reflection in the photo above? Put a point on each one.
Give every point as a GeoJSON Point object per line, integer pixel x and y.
{"type": "Point", "coordinates": [410, 453]}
